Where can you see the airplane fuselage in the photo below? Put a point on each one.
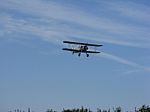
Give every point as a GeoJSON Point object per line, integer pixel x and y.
{"type": "Point", "coordinates": [82, 49]}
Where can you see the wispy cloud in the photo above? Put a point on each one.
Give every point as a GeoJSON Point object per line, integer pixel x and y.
{"type": "Point", "coordinates": [131, 10]}
{"type": "Point", "coordinates": [14, 27]}
{"type": "Point", "coordinates": [99, 28]}
{"type": "Point", "coordinates": [124, 61]}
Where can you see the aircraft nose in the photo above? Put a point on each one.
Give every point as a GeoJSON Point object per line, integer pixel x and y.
{"type": "Point", "coordinates": [86, 47]}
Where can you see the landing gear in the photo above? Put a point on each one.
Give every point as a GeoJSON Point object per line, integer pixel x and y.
{"type": "Point", "coordinates": [87, 55]}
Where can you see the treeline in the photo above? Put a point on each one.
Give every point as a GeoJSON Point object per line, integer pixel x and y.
{"type": "Point", "coordinates": [143, 108]}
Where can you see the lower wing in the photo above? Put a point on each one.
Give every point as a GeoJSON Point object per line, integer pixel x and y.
{"type": "Point", "coordinates": [92, 52]}
{"type": "Point", "coordinates": [76, 51]}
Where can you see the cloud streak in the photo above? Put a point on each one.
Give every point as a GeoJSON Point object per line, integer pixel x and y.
{"type": "Point", "coordinates": [123, 61]}
{"type": "Point", "coordinates": [98, 28]}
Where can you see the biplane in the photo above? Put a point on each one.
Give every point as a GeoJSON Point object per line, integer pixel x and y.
{"type": "Point", "coordinates": [81, 48]}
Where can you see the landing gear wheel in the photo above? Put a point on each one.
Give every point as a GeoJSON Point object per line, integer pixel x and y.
{"type": "Point", "coordinates": [79, 54]}
{"type": "Point", "coordinates": [87, 55]}
{"type": "Point", "coordinates": [72, 53]}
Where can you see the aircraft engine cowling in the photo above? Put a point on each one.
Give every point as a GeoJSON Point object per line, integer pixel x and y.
{"type": "Point", "coordinates": [86, 48]}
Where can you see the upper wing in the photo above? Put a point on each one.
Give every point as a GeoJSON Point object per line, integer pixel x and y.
{"type": "Point", "coordinates": [79, 43]}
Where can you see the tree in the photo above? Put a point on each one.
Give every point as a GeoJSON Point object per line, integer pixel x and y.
{"type": "Point", "coordinates": [118, 109]}
{"type": "Point", "coordinates": [50, 110]}
{"type": "Point", "coordinates": [144, 108]}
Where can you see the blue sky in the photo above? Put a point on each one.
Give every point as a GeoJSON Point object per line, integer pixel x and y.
{"type": "Point", "coordinates": [36, 73]}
